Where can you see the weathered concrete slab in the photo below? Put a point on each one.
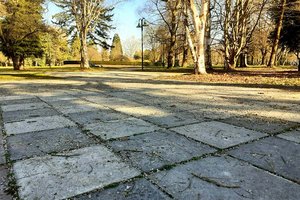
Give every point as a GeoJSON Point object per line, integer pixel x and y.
{"type": "Point", "coordinates": [112, 102]}
{"type": "Point", "coordinates": [173, 119]}
{"type": "Point", "coordinates": [293, 136]}
{"type": "Point", "coordinates": [20, 101]}
{"type": "Point", "coordinates": [13, 98]}
{"type": "Point", "coordinates": [143, 111]}
{"type": "Point", "coordinates": [273, 154]}
{"type": "Point", "coordinates": [261, 124]}
{"type": "Point", "coordinates": [3, 183]}
{"type": "Point", "coordinates": [41, 143]}
{"type": "Point", "coordinates": [157, 149]}
{"type": "Point", "coordinates": [120, 128]}
{"type": "Point", "coordinates": [37, 124]}
{"type": "Point", "coordinates": [58, 98]}
{"type": "Point", "coordinates": [20, 115]}
{"type": "Point", "coordinates": [70, 174]}
{"type": "Point", "coordinates": [102, 115]}
{"type": "Point", "coordinates": [137, 190]}
{"type": "Point", "coordinates": [218, 134]}
{"type": "Point", "coordinates": [26, 106]}
{"type": "Point", "coordinates": [224, 178]}
{"type": "Point", "coordinates": [76, 106]}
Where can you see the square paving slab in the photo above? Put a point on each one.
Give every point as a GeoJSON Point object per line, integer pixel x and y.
{"type": "Point", "coordinates": [120, 128]}
{"type": "Point", "coordinates": [218, 134]}
{"type": "Point", "coordinates": [37, 124]}
{"type": "Point", "coordinates": [70, 174]}
{"type": "Point", "coordinates": [13, 98]}
{"type": "Point", "coordinates": [20, 115]}
{"type": "Point", "coordinates": [75, 106]}
{"type": "Point", "coordinates": [58, 98]}
{"type": "Point", "coordinates": [274, 154]}
{"type": "Point", "coordinates": [154, 150]}
{"type": "Point", "coordinates": [20, 101]}
{"type": "Point", "coordinates": [27, 106]}
{"type": "Point", "coordinates": [40, 143]}
{"type": "Point", "coordinates": [102, 115]}
{"type": "Point", "coordinates": [266, 125]}
{"type": "Point", "coordinates": [137, 190]}
{"type": "Point", "coordinates": [172, 119]}
{"type": "Point", "coordinates": [225, 178]}
{"type": "Point", "coordinates": [293, 136]}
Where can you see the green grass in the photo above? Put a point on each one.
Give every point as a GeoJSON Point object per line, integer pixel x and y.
{"type": "Point", "coordinates": [35, 73]}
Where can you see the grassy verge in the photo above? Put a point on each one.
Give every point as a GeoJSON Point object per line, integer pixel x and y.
{"type": "Point", "coordinates": [35, 73]}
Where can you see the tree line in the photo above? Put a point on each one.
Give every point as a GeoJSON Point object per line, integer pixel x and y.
{"type": "Point", "coordinates": [239, 32]}
{"type": "Point", "coordinates": [232, 33]}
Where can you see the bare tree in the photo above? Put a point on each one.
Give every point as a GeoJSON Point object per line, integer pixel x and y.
{"type": "Point", "coordinates": [240, 21]}
{"type": "Point", "coordinates": [89, 19]}
{"type": "Point", "coordinates": [198, 27]}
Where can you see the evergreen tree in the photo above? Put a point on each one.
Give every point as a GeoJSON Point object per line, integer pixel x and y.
{"type": "Point", "coordinates": [20, 30]}
{"type": "Point", "coordinates": [116, 53]}
{"type": "Point", "coordinates": [290, 34]}
{"type": "Point", "coordinates": [90, 20]}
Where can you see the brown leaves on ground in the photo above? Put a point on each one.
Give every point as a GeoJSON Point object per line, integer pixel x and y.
{"type": "Point", "coordinates": [250, 77]}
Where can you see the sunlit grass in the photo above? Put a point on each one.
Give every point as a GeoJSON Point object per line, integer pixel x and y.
{"type": "Point", "coordinates": [32, 73]}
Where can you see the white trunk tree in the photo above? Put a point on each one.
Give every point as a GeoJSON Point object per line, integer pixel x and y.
{"type": "Point", "coordinates": [197, 40]}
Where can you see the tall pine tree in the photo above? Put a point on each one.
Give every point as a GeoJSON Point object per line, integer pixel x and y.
{"type": "Point", "coordinates": [116, 53]}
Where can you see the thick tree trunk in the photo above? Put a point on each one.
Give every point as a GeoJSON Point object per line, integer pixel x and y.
{"type": "Point", "coordinates": [184, 55]}
{"type": "Point", "coordinates": [17, 62]}
{"type": "Point", "coordinates": [200, 27]}
{"type": "Point", "coordinates": [84, 51]}
{"type": "Point", "coordinates": [171, 52]}
{"type": "Point", "coordinates": [277, 34]}
{"type": "Point", "coordinates": [243, 60]}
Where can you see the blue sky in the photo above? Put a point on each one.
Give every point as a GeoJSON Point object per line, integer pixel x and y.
{"type": "Point", "coordinates": [125, 18]}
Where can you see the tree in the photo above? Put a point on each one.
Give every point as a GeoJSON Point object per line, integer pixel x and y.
{"type": "Point", "coordinates": [241, 18]}
{"type": "Point", "coordinates": [290, 34]}
{"type": "Point", "coordinates": [75, 48]}
{"type": "Point", "coordinates": [55, 45]}
{"type": "Point", "coordinates": [116, 52]}
{"type": "Point", "coordinates": [90, 20]}
{"type": "Point", "coordinates": [20, 31]}
{"type": "Point", "coordinates": [197, 42]}
{"type": "Point", "coordinates": [131, 45]}
{"type": "Point", "coordinates": [277, 32]}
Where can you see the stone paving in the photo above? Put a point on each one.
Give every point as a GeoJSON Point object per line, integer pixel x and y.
{"type": "Point", "coordinates": [127, 135]}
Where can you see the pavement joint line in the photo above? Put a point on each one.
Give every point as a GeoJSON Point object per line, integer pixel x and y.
{"type": "Point", "coordinates": [266, 170]}
{"type": "Point", "coordinates": [11, 187]}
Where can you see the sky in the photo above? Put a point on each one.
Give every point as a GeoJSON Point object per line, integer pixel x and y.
{"type": "Point", "coordinates": [125, 18]}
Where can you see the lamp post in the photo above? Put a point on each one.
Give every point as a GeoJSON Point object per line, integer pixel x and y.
{"type": "Point", "coordinates": [142, 23]}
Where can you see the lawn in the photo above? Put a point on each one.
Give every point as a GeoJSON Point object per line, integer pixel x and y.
{"type": "Point", "coordinates": [33, 73]}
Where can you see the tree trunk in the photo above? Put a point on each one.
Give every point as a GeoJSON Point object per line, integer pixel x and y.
{"type": "Point", "coordinates": [84, 64]}
{"type": "Point", "coordinates": [184, 55]}
{"type": "Point", "coordinates": [208, 60]}
{"type": "Point", "coordinates": [277, 34]}
{"type": "Point", "coordinates": [17, 64]}
{"type": "Point", "coordinates": [171, 52]}
{"type": "Point", "coordinates": [243, 60]}
{"type": "Point", "coordinates": [200, 27]}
